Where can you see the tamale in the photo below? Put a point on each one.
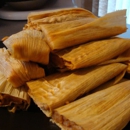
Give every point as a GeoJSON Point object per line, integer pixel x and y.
{"type": "Point", "coordinates": [108, 109]}
{"type": "Point", "coordinates": [18, 72]}
{"type": "Point", "coordinates": [57, 89]}
{"type": "Point", "coordinates": [88, 54]}
{"type": "Point", "coordinates": [38, 24]}
{"type": "Point", "coordinates": [107, 26]}
{"type": "Point", "coordinates": [28, 45]}
{"type": "Point", "coordinates": [57, 16]}
{"type": "Point", "coordinates": [68, 13]}
{"type": "Point", "coordinates": [13, 98]}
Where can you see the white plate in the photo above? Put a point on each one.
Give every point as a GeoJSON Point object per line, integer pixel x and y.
{"type": "Point", "coordinates": [10, 14]}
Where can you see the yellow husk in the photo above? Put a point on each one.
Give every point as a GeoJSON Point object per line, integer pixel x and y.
{"type": "Point", "coordinates": [17, 72]}
{"type": "Point", "coordinates": [72, 12]}
{"type": "Point", "coordinates": [28, 45]}
{"type": "Point", "coordinates": [124, 58]}
{"type": "Point", "coordinates": [108, 109]}
{"type": "Point", "coordinates": [108, 84]}
{"type": "Point", "coordinates": [128, 68]}
{"type": "Point", "coordinates": [14, 99]}
{"type": "Point", "coordinates": [107, 26]}
{"type": "Point", "coordinates": [57, 16]}
{"type": "Point", "coordinates": [89, 54]}
{"type": "Point", "coordinates": [57, 89]}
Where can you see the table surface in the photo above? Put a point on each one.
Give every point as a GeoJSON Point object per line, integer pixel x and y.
{"type": "Point", "coordinates": [33, 119]}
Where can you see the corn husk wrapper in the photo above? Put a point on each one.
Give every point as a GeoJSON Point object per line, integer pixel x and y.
{"type": "Point", "coordinates": [108, 109]}
{"type": "Point", "coordinates": [123, 57]}
{"type": "Point", "coordinates": [117, 79]}
{"type": "Point", "coordinates": [57, 16]}
{"type": "Point", "coordinates": [13, 98]}
{"type": "Point", "coordinates": [65, 14]}
{"type": "Point", "coordinates": [57, 89]}
{"type": "Point", "coordinates": [57, 27]}
{"type": "Point", "coordinates": [108, 84]}
{"type": "Point", "coordinates": [17, 72]}
{"type": "Point", "coordinates": [128, 68]}
{"type": "Point", "coordinates": [89, 54]}
{"type": "Point", "coordinates": [107, 26]}
{"type": "Point", "coordinates": [28, 45]}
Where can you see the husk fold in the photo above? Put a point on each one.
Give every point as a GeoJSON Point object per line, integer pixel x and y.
{"type": "Point", "coordinates": [18, 72]}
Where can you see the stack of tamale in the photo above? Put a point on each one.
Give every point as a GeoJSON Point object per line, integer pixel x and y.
{"type": "Point", "coordinates": [86, 54]}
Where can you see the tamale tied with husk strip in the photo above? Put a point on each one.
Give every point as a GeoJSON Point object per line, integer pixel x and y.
{"type": "Point", "coordinates": [28, 45]}
{"type": "Point", "coordinates": [13, 98]}
{"type": "Point", "coordinates": [18, 72]}
{"type": "Point", "coordinates": [108, 109]}
{"type": "Point", "coordinates": [110, 25]}
{"type": "Point", "coordinates": [57, 89]}
{"type": "Point", "coordinates": [89, 54]}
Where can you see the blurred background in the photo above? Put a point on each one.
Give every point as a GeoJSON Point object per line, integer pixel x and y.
{"type": "Point", "coordinates": [9, 8]}
{"type": "Point", "coordinates": [101, 7]}
{"type": "Point", "coordinates": [13, 13]}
